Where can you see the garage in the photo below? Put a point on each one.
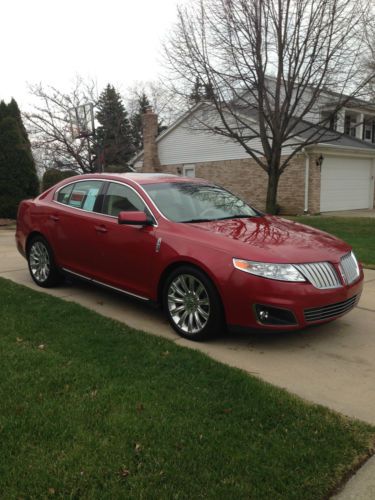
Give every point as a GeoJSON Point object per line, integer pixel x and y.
{"type": "Point", "coordinates": [346, 183]}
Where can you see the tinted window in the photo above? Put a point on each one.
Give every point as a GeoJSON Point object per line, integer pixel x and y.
{"type": "Point", "coordinates": [120, 198]}
{"type": "Point", "coordinates": [64, 194]}
{"type": "Point", "coordinates": [81, 195]}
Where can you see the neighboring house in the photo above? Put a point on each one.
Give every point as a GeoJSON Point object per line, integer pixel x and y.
{"type": "Point", "coordinates": [328, 176]}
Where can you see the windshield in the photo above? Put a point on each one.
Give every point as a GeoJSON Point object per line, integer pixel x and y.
{"type": "Point", "coordinates": [193, 202]}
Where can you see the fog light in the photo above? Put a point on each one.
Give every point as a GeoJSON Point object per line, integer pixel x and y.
{"type": "Point", "coordinates": [268, 315]}
{"type": "Point", "coordinates": [263, 315]}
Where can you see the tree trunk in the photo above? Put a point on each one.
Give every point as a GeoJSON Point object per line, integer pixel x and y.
{"type": "Point", "coordinates": [273, 182]}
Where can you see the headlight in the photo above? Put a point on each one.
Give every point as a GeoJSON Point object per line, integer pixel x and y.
{"type": "Point", "coordinates": [281, 272]}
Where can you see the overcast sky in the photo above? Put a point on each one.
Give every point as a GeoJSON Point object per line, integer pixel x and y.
{"type": "Point", "coordinates": [51, 41]}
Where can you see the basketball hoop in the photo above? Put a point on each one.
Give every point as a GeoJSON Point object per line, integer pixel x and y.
{"type": "Point", "coordinates": [82, 121]}
{"type": "Point", "coordinates": [83, 127]}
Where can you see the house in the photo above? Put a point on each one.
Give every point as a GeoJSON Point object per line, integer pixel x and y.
{"type": "Point", "coordinates": [336, 173]}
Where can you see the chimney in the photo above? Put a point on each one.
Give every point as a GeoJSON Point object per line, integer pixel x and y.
{"type": "Point", "coordinates": [151, 161]}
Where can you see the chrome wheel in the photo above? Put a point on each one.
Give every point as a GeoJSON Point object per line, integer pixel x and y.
{"type": "Point", "coordinates": [188, 303]}
{"type": "Point", "coordinates": [40, 264]}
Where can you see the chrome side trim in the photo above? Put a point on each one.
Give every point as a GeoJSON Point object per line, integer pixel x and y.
{"type": "Point", "coordinates": [331, 310]}
{"type": "Point", "coordinates": [105, 284]}
{"type": "Point", "coordinates": [75, 208]}
{"type": "Point", "coordinates": [155, 224]}
{"type": "Point", "coordinates": [120, 290]}
{"type": "Point", "coordinates": [158, 243]}
{"type": "Point", "coordinates": [76, 274]}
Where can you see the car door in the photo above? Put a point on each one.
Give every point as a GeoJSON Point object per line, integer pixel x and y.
{"type": "Point", "coordinates": [125, 253]}
{"type": "Point", "coordinates": [74, 223]}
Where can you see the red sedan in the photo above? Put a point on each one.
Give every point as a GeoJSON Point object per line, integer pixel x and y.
{"type": "Point", "coordinates": [204, 255]}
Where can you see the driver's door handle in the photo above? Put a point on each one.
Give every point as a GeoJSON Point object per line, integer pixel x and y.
{"type": "Point", "coordinates": [101, 229]}
{"type": "Point", "coordinates": [54, 218]}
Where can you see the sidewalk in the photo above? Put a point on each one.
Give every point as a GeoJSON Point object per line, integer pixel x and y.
{"type": "Point", "coordinates": [361, 486]}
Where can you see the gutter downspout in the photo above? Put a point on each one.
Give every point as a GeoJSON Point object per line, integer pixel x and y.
{"type": "Point", "coordinates": [307, 171]}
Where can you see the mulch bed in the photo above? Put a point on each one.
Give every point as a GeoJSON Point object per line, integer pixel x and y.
{"type": "Point", "coordinates": [7, 222]}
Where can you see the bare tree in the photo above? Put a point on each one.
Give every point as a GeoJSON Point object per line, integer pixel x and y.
{"type": "Point", "coordinates": [50, 131]}
{"type": "Point", "coordinates": [368, 60]}
{"type": "Point", "coordinates": [165, 103]}
{"type": "Point", "coordinates": [268, 64]}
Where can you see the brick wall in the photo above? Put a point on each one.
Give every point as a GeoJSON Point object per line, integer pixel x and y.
{"type": "Point", "coordinates": [246, 179]}
{"type": "Point", "coordinates": [314, 185]}
{"type": "Point", "coordinates": [151, 161]}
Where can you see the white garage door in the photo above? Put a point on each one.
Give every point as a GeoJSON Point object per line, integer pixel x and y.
{"type": "Point", "coordinates": [346, 184]}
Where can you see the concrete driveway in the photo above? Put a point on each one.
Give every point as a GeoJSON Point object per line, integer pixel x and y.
{"type": "Point", "coordinates": [333, 365]}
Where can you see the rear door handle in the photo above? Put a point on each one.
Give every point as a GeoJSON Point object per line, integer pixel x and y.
{"type": "Point", "coordinates": [54, 218]}
{"type": "Point", "coordinates": [101, 229]}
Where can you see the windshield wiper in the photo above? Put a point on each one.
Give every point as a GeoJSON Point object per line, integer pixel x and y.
{"type": "Point", "coordinates": [237, 217]}
{"type": "Point", "coordinates": [196, 220]}
{"type": "Point", "coordinates": [220, 218]}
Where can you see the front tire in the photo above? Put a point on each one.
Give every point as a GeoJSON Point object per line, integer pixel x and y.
{"type": "Point", "coordinates": [42, 267]}
{"type": "Point", "coordinates": [192, 303]}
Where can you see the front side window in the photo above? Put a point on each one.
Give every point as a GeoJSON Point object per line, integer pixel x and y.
{"type": "Point", "coordinates": [82, 195]}
{"type": "Point", "coordinates": [185, 202]}
{"type": "Point", "coordinates": [121, 198]}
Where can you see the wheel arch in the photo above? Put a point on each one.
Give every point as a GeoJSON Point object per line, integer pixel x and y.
{"type": "Point", "coordinates": [180, 263]}
{"type": "Point", "coordinates": [30, 237]}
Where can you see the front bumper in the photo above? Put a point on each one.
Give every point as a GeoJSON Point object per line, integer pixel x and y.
{"type": "Point", "coordinates": [309, 305]}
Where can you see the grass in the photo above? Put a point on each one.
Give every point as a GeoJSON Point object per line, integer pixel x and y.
{"type": "Point", "coordinates": [359, 232]}
{"type": "Point", "coordinates": [93, 409]}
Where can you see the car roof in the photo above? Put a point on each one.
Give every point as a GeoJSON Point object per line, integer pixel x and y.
{"type": "Point", "coordinates": [140, 178]}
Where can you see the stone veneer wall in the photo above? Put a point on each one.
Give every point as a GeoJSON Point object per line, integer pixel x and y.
{"type": "Point", "coordinates": [246, 179]}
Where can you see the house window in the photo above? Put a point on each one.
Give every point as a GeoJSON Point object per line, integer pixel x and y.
{"type": "Point", "coordinates": [368, 133]}
{"type": "Point", "coordinates": [188, 171]}
{"type": "Point", "coordinates": [329, 120]}
{"type": "Point", "coordinates": [368, 130]}
{"type": "Point", "coordinates": [350, 125]}
{"type": "Point", "coordinates": [333, 122]}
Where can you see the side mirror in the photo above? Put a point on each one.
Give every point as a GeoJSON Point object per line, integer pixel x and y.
{"type": "Point", "coordinates": [134, 219]}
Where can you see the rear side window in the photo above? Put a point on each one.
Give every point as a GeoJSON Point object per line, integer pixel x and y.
{"type": "Point", "coordinates": [82, 195]}
{"type": "Point", "coordinates": [64, 194]}
{"type": "Point", "coordinates": [121, 198]}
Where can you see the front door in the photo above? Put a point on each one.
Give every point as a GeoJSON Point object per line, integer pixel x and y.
{"type": "Point", "coordinates": [124, 253]}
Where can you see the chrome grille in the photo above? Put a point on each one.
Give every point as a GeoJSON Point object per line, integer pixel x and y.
{"type": "Point", "coordinates": [320, 274]}
{"type": "Point", "coordinates": [349, 267]}
{"type": "Point", "coordinates": [330, 311]}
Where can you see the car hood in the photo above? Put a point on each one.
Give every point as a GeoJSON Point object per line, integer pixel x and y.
{"type": "Point", "coordinates": [272, 239]}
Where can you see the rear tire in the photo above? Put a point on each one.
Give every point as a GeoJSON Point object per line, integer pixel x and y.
{"type": "Point", "coordinates": [42, 267]}
{"type": "Point", "coordinates": [192, 304]}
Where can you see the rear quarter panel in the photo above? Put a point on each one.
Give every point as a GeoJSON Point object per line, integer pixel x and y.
{"type": "Point", "coordinates": [32, 217]}
{"type": "Point", "coordinates": [24, 225]}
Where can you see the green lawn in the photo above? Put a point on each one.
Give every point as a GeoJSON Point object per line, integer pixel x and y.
{"type": "Point", "coordinates": [93, 409]}
{"type": "Point", "coordinates": [359, 232]}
